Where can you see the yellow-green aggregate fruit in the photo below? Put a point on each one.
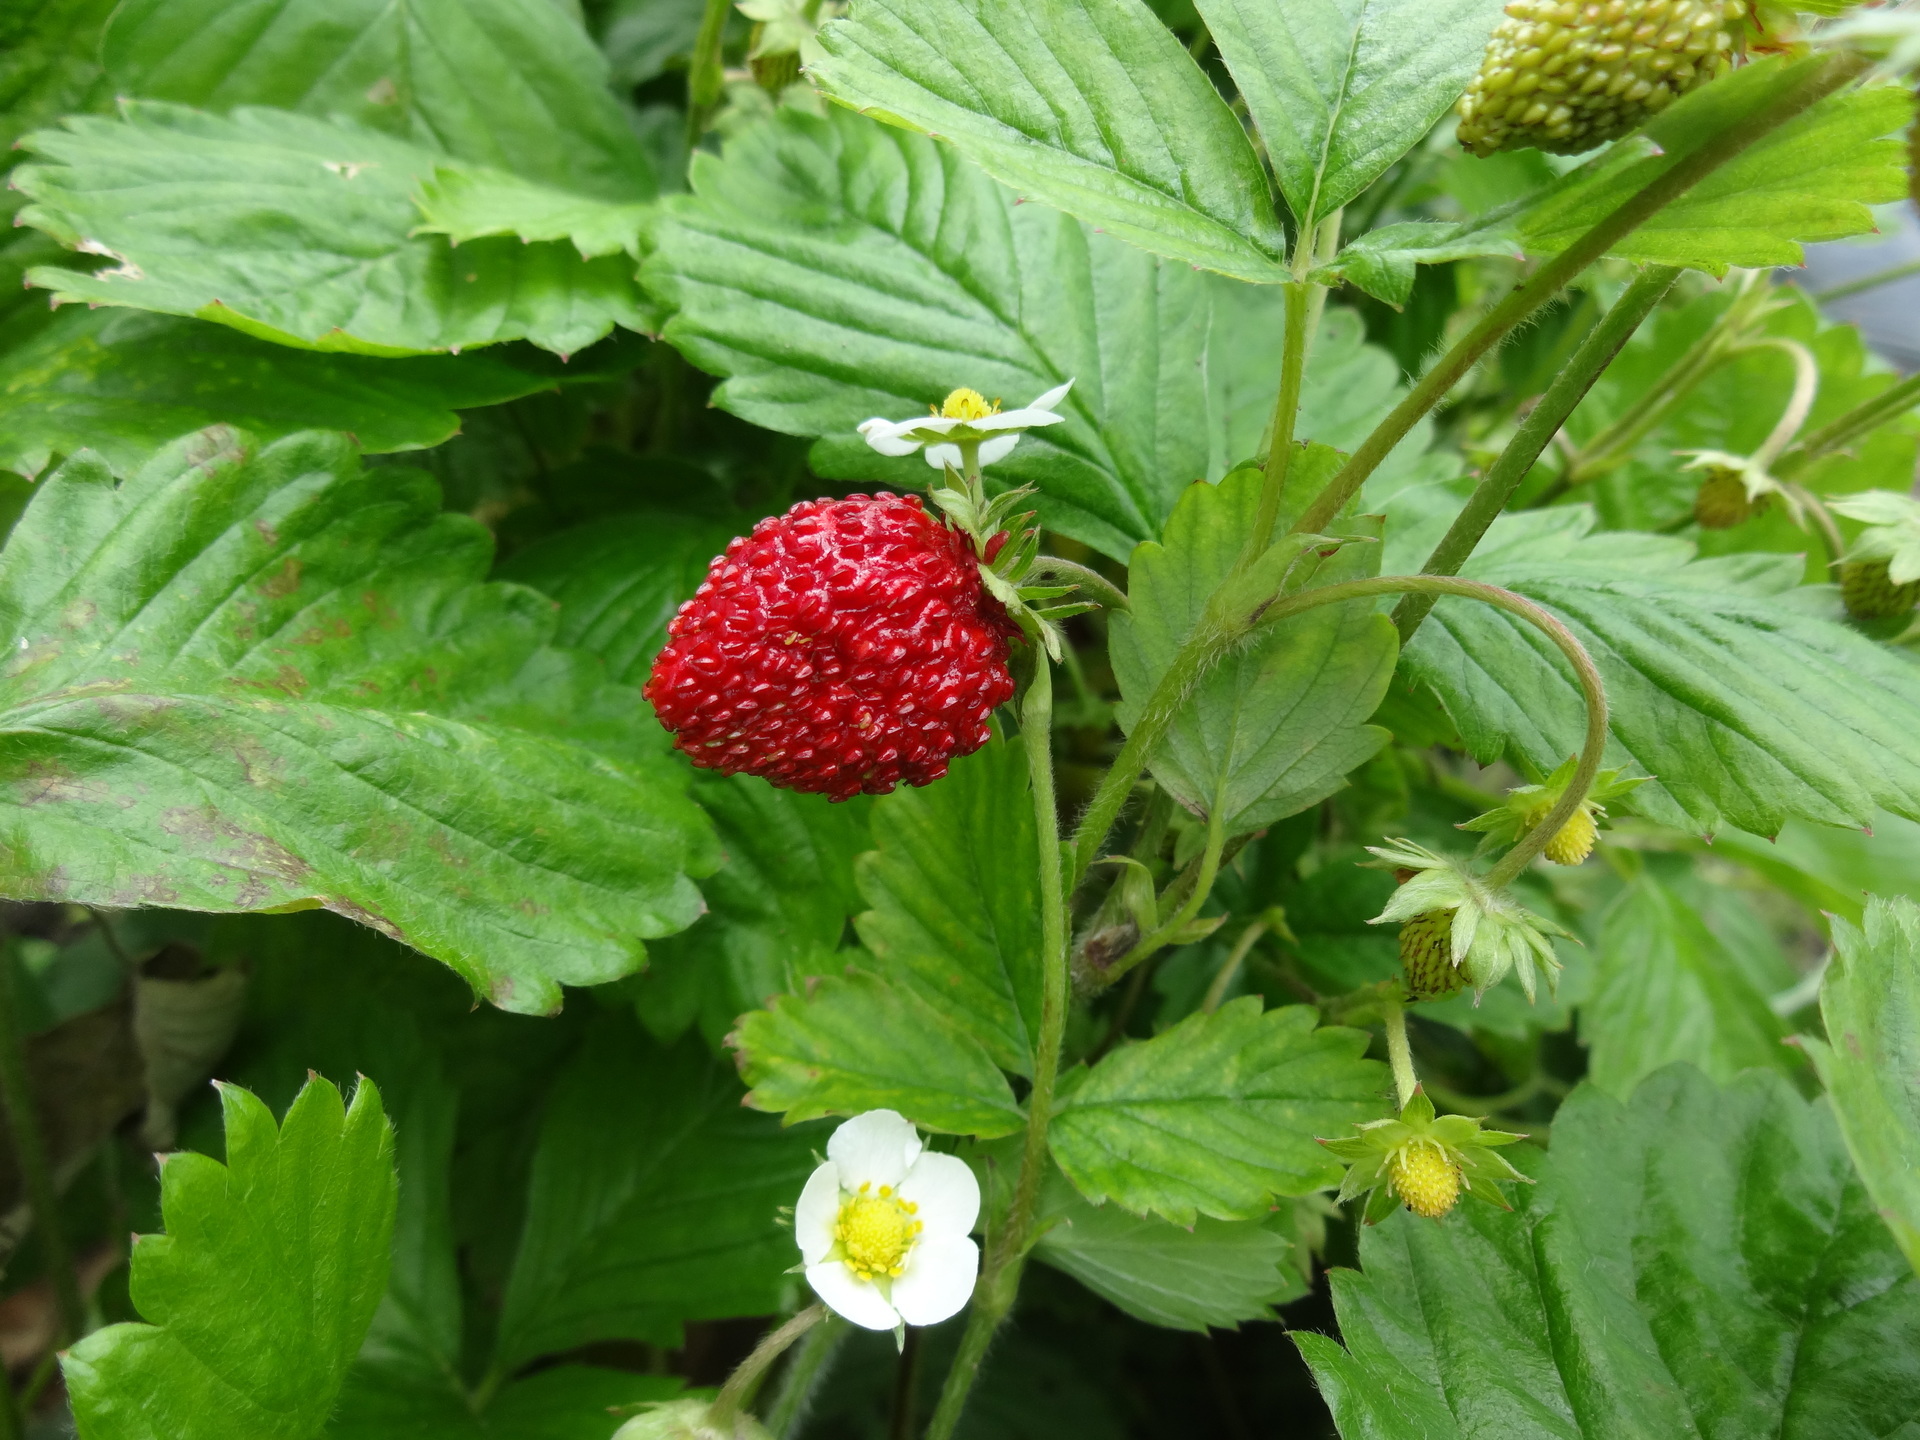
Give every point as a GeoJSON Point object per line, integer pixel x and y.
{"type": "Point", "coordinates": [1567, 75]}
{"type": "Point", "coordinates": [1426, 955]}
{"type": "Point", "coordinates": [1424, 1175]}
{"type": "Point", "coordinates": [1722, 501]}
{"type": "Point", "coordinates": [1869, 591]}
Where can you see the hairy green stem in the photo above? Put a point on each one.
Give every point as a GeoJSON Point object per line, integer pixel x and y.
{"type": "Point", "coordinates": [802, 1377]}
{"type": "Point", "coordinates": [1304, 302]}
{"type": "Point", "coordinates": [1549, 279]}
{"type": "Point", "coordinates": [1806, 388]}
{"type": "Point", "coordinates": [1837, 434]}
{"type": "Point", "coordinates": [1164, 933]}
{"type": "Point", "coordinates": [1399, 1052]}
{"type": "Point", "coordinates": [737, 1393]}
{"type": "Point", "coordinates": [1503, 477]}
{"type": "Point", "coordinates": [36, 1172]}
{"type": "Point", "coordinates": [1612, 447]}
{"type": "Point", "coordinates": [1000, 1275]}
{"type": "Point", "coordinates": [1217, 991]}
{"type": "Point", "coordinates": [706, 76]}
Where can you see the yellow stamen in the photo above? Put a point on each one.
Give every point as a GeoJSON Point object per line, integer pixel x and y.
{"type": "Point", "coordinates": [965, 404]}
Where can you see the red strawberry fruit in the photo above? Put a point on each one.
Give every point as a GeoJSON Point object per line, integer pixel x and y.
{"type": "Point", "coordinates": [845, 646]}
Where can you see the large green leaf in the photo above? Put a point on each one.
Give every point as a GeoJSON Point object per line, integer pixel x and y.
{"type": "Point", "coordinates": [513, 84]}
{"type": "Point", "coordinates": [834, 269]}
{"type": "Point", "coordinates": [1218, 1115]}
{"type": "Point", "coordinates": [1667, 989]}
{"type": "Point", "coordinates": [298, 230]}
{"type": "Point", "coordinates": [262, 1287]}
{"type": "Point", "coordinates": [1870, 1059]}
{"type": "Point", "coordinates": [1273, 728]}
{"type": "Point", "coordinates": [1212, 1273]}
{"type": "Point", "coordinates": [777, 908]}
{"type": "Point", "coordinates": [1340, 89]}
{"type": "Point", "coordinates": [122, 383]}
{"type": "Point", "coordinates": [1093, 108]}
{"type": "Point", "coordinates": [1697, 1262]}
{"type": "Point", "coordinates": [955, 890]}
{"type": "Point", "coordinates": [855, 1042]}
{"type": "Point", "coordinates": [565, 1402]}
{"type": "Point", "coordinates": [1724, 684]}
{"type": "Point", "coordinates": [654, 1201]}
{"type": "Point", "coordinates": [246, 678]}
{"type": "Point", "coordinates": [1810, 179]}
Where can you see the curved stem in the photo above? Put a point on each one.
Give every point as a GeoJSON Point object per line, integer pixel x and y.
{"type": "Point", "coordinates": [1093, 582]}
{"type": "Point", "coordinates": [1548, 280]}
{"type": "Point", "coordinates": [1888, 405]}
{"type": "Point", "coordinates": [1823, 522]}
{"type": "Point", "coordinates": [1000, 1276]}
{"type": "Point", "coordinates": [1217, 991]}
{"type": "Point", "coordinates": [802, 1377]}
{"type": "Point", "coordinates": [1399, 1052]}
{"type": "Point", "coordinates": [1503, 477]}
{"type": "Point", "coordinates": [1165, 933]}
{"type": "Point", "coordinates": [1806, 388]}
{"type": "Point", "coordinates": [738, 1391]}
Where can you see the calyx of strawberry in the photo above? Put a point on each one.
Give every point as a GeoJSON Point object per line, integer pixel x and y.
{"type": "Point", "coordinates": [1007, 547]}
{"type": "Point", "coordinates": [1424, 1161]}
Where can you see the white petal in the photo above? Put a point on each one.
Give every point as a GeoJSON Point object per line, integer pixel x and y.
{"type": "Point", "coordinates": [948, 1196]}
{"type": "Point", "coordinates": [997, 448]}
{"type": "Point", "coordinates": [877, 1148]}
{"type": "Point", "coordinates": [1052, 398]}
{"type": "Point", "coordinates": [816, 1212]}
{"type": "Point", "coordinates": [857, 1300]}
{"type": "Point", "coordinates": [1017, 420]}
{"type": "Point", "coordinates": [938, 1278]}
{"type": "Point", "coordinates": [885, 436]}
{"type": "Point", "coordinates": [941, 456]}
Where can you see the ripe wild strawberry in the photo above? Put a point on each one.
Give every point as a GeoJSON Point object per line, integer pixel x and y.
{"type": "Point", "coordinates": [844, 647]}
{"type": "Point", "coordinates": [1568, 75]}
{"type": "Point", "coordinates": [1426, 955]}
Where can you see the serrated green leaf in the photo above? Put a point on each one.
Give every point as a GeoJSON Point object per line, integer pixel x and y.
{"type": "Point", "coordinates": [1745, 706]}
{"type": "Point", "coordinates": [620, 579]}
{"type": "Point", "coordinates": [246, 678]}
{"type": "Point", "coordinates": [122, 383]}
{"type": "Point", "coordinates": [854, 1042]}
{"type": "Point", "coordinates": [1275, 727]}
{"type": "Point", "coordinates": [299, 231]}
{"type": "Point", "coordinates": [1698, 1262]}
{"type": "Point", "coordinates": [513, 84]}
{"type": "Point", "coordinates": [466, 202]}
{"type": "Point", "coordinates": [954, 885]}
{"type": "Point", "coordinates": [566, 1402]}
{"type": "Point", "coordinates": [654, 1201]}
{"type": "Point", "coordinates": [777, 908]}
{"type": "Point", "coordinates": [835, 269]}
{"type": "Point", "coordinates": [263, 1285]}
{"type": "Point", "coordinates": [1810, 179]}
{"type": "Point", "coordinates": [1870, 1060]}
{"type": "Point", "coordinates": [1667, 989]}
{"type": "Point", "coordinates": [1217, 1273]}
{"type": "Point", "coordinates": [1340, 89]}
{"type": "Point", "coordinates": [1094, 109]}
{"type": "Point", "coordinates": [1218, 1115]}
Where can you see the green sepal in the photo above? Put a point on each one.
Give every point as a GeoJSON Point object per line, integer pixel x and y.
{"type": "Point", "coordinates": [1370, 1151]}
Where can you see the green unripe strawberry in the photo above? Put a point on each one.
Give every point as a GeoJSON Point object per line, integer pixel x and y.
{"type": "Point", "coordinates": [1722, 501]}
{"type": "Point", "coordinates": [1426, 955]}
{"type": "Point", "coordinates": [1568, 75]}
{"type": "Point", "coordinates": [1425, 1177]}
{"type": "Point", "coordinates": [1869, 591]}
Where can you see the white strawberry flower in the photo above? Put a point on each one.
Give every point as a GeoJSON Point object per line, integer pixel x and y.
{"type": "Point", "coordinates": [966, 416]}
{"type": "Point", "coordinates": [883, 1226]}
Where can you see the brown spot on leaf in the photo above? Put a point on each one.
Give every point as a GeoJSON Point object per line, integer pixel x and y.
{"type": "Point", "coordinates": [282, 582]}
{"type": "Point", "coordinates": [266, 532]}
{"type": "Point", "coordinates": [373, 921]}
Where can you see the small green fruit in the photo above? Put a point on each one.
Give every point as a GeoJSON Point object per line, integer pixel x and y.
{"type": "Point", "coordinates": [1869, 591]}
{"type": "Point", "coordinates": [1722, 501]}
{"type": "Point", "coordinates": [1568, 75]}
{"type": "Point", "coordinates": [1426, 955]}
{"type": "Point", "coordinates": [1422, 1174]}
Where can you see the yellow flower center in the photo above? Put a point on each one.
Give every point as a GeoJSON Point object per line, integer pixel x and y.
{"type": "Point", "coordinates": [965, 404]}
{"type": "Point", "coordinates": [875, 1232]}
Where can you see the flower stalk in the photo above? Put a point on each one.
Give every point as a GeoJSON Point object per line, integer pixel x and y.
{"type": "Point", "coordinates": [739, 1390]}
{"type": "Point", "coordinates": [1399, 1051]}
